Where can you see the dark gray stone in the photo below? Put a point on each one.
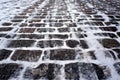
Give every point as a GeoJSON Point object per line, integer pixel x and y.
{"type": "Point", "coordinates": [27, 55]}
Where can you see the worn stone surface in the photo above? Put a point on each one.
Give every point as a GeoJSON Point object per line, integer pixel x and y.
{"type": "Point", "coordinates": [4, 54]}
{"type": "Point", "coordinates": [27, 55]}
{"type": "Point", "coordinates": [8, 70]}
{"type": "Point", "coordinates": [20, 43]}
{"type": "Point", "coordinates": [50, 43]}
{"type": "Point", "coordinates": [60, 40]}
{"type": "Point", "coordinates": [110, 43]}
{"type": "Point", "coordinates": [72, 43]}
{"type": "Point", "coordinates": [61, 54]}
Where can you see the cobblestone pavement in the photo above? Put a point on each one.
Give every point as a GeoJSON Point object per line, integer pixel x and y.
{"type": "Point", "coordinates": [62, 40]}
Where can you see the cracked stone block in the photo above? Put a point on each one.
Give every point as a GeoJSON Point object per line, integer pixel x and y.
{"type": "Point", "coordinates": [50, 43]}
{"type": "Point", "coordinates": [46, 71]}
{"type": "Point", "coordinates": [114, 29]}
{"type": "Point", "coordinates": [20, 43]}
{"type": "Point", "coordinates": [40, 30]}
{"type": "Point", "coordinates": [3, 29]}
{"type": "Point", "coordinates": [31, 36]}
{"type": "Point", "coordinates": [64, 29]}
{"type": "Point", "coordinates": [118, 52]}
{"type": "Point", "coordinates": [6, 24]}
{"type": "Point", "coordinates": [59, 36]}
{"type": "Point", "coordinates": [117, 67]}
{"type": "Point", "coordinates": [27, 55]}
{"type": "Point", "coordinates": [75, 71]}
{"type": "Point", "coordinates": [26, 30]}
{"type": "Point", "coordinates": [4, 54]}
{"type": "Point", "coordinates": [9, 70]}
{"type": "Point", "coordinates": [61, 54]}
{"type": "Point", "coordinates": [109, 43]}
{"type": "Point", "coordinates": [83, 44]}
{"type": "Point", "coordinates": [72, 43]}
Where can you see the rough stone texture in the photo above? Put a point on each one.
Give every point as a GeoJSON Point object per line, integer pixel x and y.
{"type": "Point", "coordinates": [27, 30]}
{"type": "Point", "coordinates": [27, 55]}
{"type": "Point", "coordinates": [117, 67]}
{"type": "Point", "coordinates": [7, 24]}
{"type": "Point", "coordinates": [60, 40]}
{"type": "Point", "coordinates": [83, 44]}
{"type": "Point", "coordinates": [3, 29]}
{"type": "Point", "coordinates": [118, 52]}
{"type": "Point", "coordinates": [20, 43]}
{"type": "Point", "coordinates": [50, 43]}
{"type": "Point", "coordinates": [31, 36]}
{"type": "Point", "coordinates": [59, 36]}
{"type": "Point", "coordinates": [72, 43]}
{"type": "Point", "coordinates": [8, 70]}
{"type": "Point", "coordinates": [61, 54]}
{"type": "Point", "coordinates": [4, 54]}
{"type": "Point", "coordinates": [87, 71]}
{"type": "Point", "coordinates": [109, 43]}
{"type": "Point", "coordinates": [44, 71]}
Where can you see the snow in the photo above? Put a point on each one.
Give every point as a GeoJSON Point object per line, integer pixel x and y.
{"type": "Point", "coordinates": [10, 8]}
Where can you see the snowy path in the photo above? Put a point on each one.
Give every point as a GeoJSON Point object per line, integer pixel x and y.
{"type": "Point", "coordinates": [59, 40]}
